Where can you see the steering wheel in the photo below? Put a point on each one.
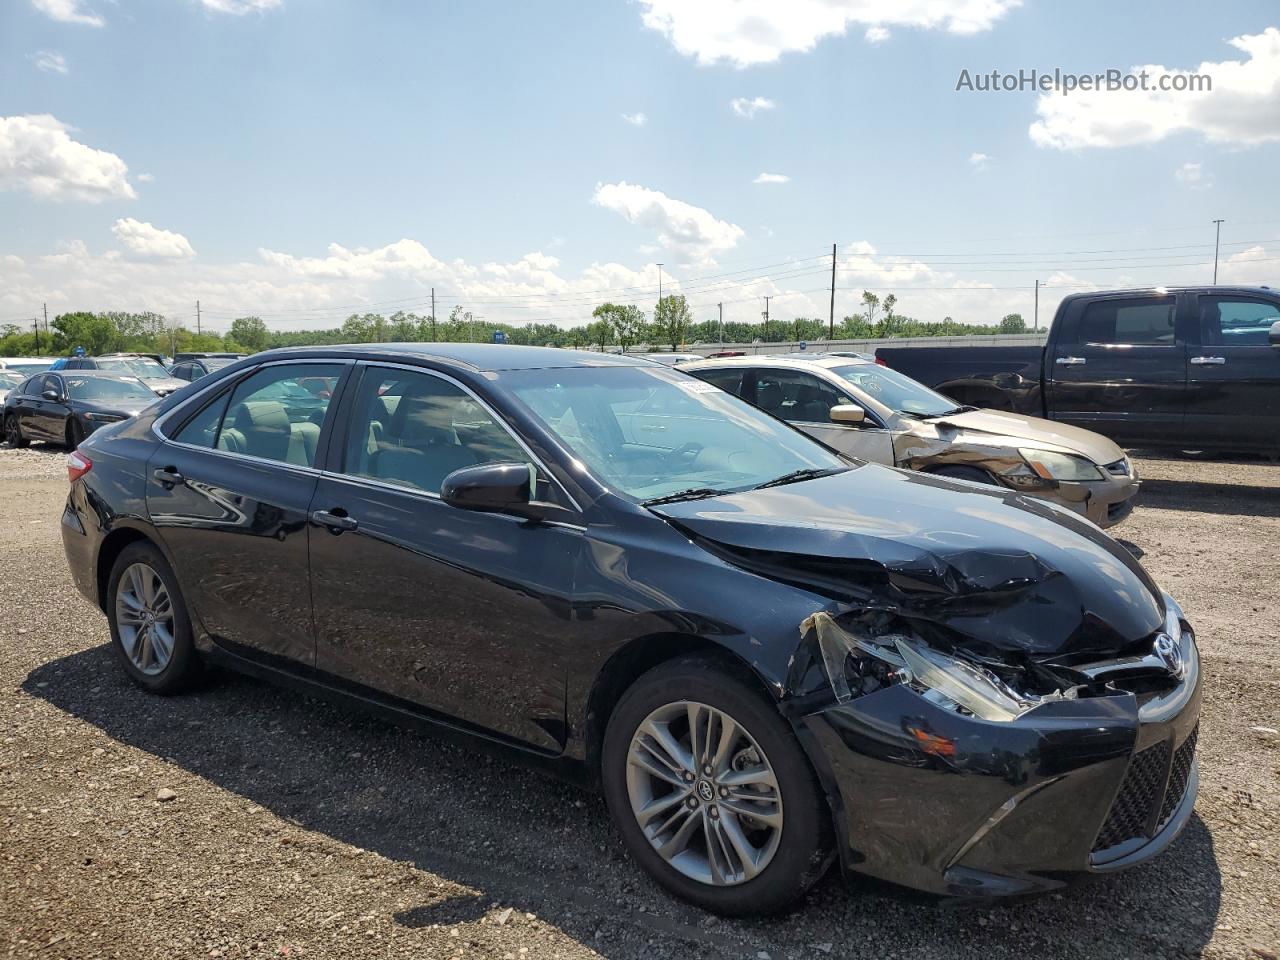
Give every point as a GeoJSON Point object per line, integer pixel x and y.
{"type": "Point", "coordinates": [687, 452]}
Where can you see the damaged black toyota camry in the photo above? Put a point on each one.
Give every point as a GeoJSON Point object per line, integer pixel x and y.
{"type": "Point", "coordinates": [770, 657]}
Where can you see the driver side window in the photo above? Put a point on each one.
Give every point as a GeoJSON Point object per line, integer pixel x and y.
{"type": "Point", "coordinates": [796, 396]}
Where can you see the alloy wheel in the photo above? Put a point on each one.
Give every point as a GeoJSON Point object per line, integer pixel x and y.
{"type": "Point", "coordinates": [144, 618]}
{"type": "Point", "coordinates": [704, 794]}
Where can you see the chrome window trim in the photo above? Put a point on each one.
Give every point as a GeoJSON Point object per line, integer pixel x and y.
{"type": "Point", "coordinates": [159, 422]}
{"type": "Point", "coordinates": [497, 418]}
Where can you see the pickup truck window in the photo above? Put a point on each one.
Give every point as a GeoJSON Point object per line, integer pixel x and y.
{"type": "Point", "coordinates": [1236, 322]}
{"type": "Point", "coordinates": [1148, 320]}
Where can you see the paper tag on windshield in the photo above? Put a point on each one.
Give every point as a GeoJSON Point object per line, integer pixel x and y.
{"type": "Point", "coordinates": [697, 386]}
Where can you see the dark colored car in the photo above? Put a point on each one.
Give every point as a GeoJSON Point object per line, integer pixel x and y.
{"type": "Point", "coordinates": [65, 407]}
{"type": "Point", "coordinates": [190, 368]}
{"type": "Point", "coordinates": [767, 655]}
{"type": "Point", "coordinates": [144, 366]}
{"type": "Point", "coordinates": [1188, 368]}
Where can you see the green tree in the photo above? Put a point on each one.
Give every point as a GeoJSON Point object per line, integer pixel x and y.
{"type": "Point", "coordinates": [626, 322]}
{"type": "Point", "coordinates": [872, 303]}
{"type": "Point", "coordinates": [1013, 323]}
{"type": "Point", "coordinates": [93, 331]}
{"type": "Point", "coordinates": [250, 332]}
{"type": "Point", "coordinates": [671, 320]}
{"type": "Point", "coordinates": [599, 333]}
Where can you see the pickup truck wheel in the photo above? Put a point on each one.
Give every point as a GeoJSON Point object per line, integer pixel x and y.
{"type": "Point", "coordinates": [972, 474]}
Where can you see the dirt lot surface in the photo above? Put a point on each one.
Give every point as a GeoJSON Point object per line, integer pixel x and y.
{"type": "Point", "coordinates": [246, 821]}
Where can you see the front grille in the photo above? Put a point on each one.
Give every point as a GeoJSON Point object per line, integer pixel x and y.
{"type": "Point", "coordinates": [1179, 775]}
{"type": "Point", "coordinates": [1139, 793]}
{"type": "Point", "coordinates": [1151, 781]}
{"type": "Point", "coordinates": [1119, 468]}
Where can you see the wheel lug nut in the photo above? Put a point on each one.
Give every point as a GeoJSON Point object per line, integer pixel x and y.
{"type": "Point", "coordinates": [707, 769]}
{"type": "Point", "coordinates": [692, 802]}
{"type": "Point", "coordinates": [715, 813]}
{"type": "Point", "coordinates": [724, 791]}
{"type": "Point", "coordinates": [688, 777]}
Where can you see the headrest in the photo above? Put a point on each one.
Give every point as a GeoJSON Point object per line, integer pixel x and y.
{"type": "Point", "coordinates": [262, 415]}
{"type": "Point", "coordinates": [769, 396]}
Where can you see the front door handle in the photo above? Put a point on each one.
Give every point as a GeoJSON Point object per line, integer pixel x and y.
{"type": "Point", "coordinates": [1207, 361]}
{"type": "Point", "coordinates": [1071, 361]}
{"type": "Point", "coordinates": [335, 520]}
{"type": "Point", "coordinates": [169, 477]}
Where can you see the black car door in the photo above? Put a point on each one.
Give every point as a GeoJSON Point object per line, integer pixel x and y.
{"type": "Point", "coordinates": [459, 612]}
{"type": "Point", "coordinates": [52, 409]}
{"type": "Point", "coordinates": [24, 406]}
{"type": "Point", "coordinates": [1233, 391]}
{"type": "Point", "coordinates": [1119, 366]}
{"type": "Point", "coordinates": [228, 491]}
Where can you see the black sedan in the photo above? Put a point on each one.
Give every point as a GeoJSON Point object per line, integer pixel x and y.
{"type": "Point", "coordinates": [768, 656]}
{"type": "Point", "coordinates": [67, 407]}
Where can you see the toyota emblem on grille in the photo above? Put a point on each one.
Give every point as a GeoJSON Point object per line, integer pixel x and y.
{"type": "Point", "coordinates": [1167, 650]}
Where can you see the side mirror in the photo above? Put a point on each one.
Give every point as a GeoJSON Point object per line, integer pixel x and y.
{"type": "Point", "coordinates": [1274, 336]}
{"type": "Point", "coordinates": [848, 413]}
{"type": "Point", "coordinates": [51, 395]}
{"type": "Point", "coordinates": [491, 488]}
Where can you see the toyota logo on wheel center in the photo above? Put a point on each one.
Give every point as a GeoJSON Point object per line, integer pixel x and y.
{"type": "Point", "coordinates": [706, 791]}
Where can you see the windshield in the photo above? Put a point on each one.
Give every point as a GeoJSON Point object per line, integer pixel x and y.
{"type": "Point", "coordinates": [144, 367]}
{"type": "Point", "coordinates": [650, 431]}
{"type": "Point", "coordinates": [897, 392]}
{"type": "Point", "coordinates": [27, 368]}
{"type": "Point", "coordinates": [10, 378]}
{"type": "Point", "coordinates": [100, 388]}
{"type": "Point", "coordinates": [217, 363]}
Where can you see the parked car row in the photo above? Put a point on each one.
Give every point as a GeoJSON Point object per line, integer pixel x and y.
{"type": "Point", "coordinates": [769, 655]}
{"type": "Point", "coordinates": [66, 406]}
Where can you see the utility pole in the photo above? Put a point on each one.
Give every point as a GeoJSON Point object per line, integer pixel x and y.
{"type": "Point", "coordinates": [45, 307]}
{"type": "Point", "coordinates": [36, 325]}
{"type": "Point", "coordinates": [433, 314]}
{"type": "Point", "coordinates": [659, 283]}
{"type": "Point", "coordinates": [1216, 237]}
{"type": "Point", "coordinates": [831, 317]}
{"type": "Point", "coordinates": [197, 318]}
{"type": "Point", "coordinates": [766, 319]}
{"type": "Point", "coordinates": [720, 307]}
{"type": "Point", "coordinates": [1035, 322]}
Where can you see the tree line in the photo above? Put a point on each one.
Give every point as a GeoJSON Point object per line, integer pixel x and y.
{"type": "Point", "coordinates": [624, 326]}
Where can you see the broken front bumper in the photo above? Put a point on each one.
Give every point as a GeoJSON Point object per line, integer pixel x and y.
{"type": "Point", "coordinates": [926, 797]}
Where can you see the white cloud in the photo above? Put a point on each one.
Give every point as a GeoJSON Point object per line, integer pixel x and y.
{"type": "Point", "coordinates": [143, 240]}
{"type": "Point", "coordinates": [240, 7]}
{"type": "Point", "coordinates": [38, 155]}
{"type": "Point", "coordinates": [68, 11]}
{"type": "Point", "coordinates": [979, 161]}
{"type": "Point", "coordinates": [635, 119]}
{"type": "Point", "coordinates": [145, 177]}
{"type": "Point", "coordinates": [1242, 108]}
{"type": "Point", "coordinates": [50, 61]}
{"type": "Point", "coordinates": [746, 32]}
{"type": "Point", "coordinates": [689, 232]}
{"type": "Point", "coordinates": [1194, 176]}
{"type": "Point", "coordinates": [749, 108]}
{"type": "Point", "coordinates": [877, 34]}
{"type": "Point", "coordinates": [772, 178]}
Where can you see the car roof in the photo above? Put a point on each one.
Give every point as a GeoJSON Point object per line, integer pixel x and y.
{"type": "Point", "coordinates": [1162, 289]}
{"type": "Point", "coordinates": [781, 360]}
{"type": "Point", "coordinates": [478, 356]}
{"type": "Point", "coordinates": [92, 375]}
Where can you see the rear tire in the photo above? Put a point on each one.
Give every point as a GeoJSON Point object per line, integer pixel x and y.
{"type": "Point", "coordinates": [751, 831]}
{"type": "Point", "coordinates": [13, 432]}
{"type": "Point", "coordinates": [150, 626]}
{"type": "Point", "coordinates": [972, 474]}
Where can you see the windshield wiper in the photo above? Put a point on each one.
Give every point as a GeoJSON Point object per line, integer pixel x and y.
{"type": "Point", "coordinates": [945, 413]}
{"type": "Point", "coordinates": [693, 493]}
{"type": "Point", "coordinates": [795, 476]}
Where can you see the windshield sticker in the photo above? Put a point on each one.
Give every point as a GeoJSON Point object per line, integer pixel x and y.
{"type": "Point", "coordinates": [697, 386]}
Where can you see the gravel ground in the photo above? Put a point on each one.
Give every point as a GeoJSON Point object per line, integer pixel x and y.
{"type": "Point", "coordinates": [246, 821]}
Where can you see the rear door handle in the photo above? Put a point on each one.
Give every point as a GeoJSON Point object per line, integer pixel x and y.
{"type": "Point", "coordinates": [336, 520]}
{"type": "Point", "coordinates": [169, 477]}
{"type": "Point", "coordinates": [1206, 361]}
{"type": "Point", "coordinates": [1070, 361]}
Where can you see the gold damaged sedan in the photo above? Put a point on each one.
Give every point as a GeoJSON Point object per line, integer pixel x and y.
{"type": "Point", "coordinates": [874, 413]}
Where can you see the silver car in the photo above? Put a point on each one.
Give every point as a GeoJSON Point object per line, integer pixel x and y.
{"type": "Point", "coordinates": [874, 413]}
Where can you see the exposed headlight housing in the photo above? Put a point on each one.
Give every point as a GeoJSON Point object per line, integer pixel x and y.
{"type": "Point", "coordinates": [945, 680]}
{"type": "Point", "coordinates": [105, 417]}
{"type": "Point", "coordinates": [1048, 465]}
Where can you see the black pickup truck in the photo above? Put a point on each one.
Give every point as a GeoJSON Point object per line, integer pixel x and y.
{"type": "Point", "coordinates": [1187, 367]}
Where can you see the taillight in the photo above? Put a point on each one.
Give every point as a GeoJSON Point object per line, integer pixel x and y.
{"type": "Point", "coordinates": [77, 465]}
{"type": "Point", "coordinates": [880, 360]}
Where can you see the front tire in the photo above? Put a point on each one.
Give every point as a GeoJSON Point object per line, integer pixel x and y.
{"type": "Point", "coordinates": [150, 627]}
{"type": "Point", "coordinates": [13, 432]}
{"type": "Point", "coordinates": [712, 792]}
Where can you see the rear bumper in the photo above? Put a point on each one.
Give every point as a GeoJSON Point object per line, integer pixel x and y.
{"type": "Point", "coordinates": [1076, 787]}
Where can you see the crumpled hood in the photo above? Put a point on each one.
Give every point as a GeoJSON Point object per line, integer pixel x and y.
{"type": "Point", "coordinates": [1040, 432]}
{"type": "Point", "coordinates": [994, 569]}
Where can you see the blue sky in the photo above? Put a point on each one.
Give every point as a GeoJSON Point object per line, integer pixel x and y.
{"type": "Point", "coordinates": [299, 159]}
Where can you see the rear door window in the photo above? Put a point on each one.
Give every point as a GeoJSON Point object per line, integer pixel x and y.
{"type": "Point", "coordinates": [796, 396]}
{"type": "Point", "coordinates": [729, 379]}
{"type": "Point", "coordinates": [1132, 321]}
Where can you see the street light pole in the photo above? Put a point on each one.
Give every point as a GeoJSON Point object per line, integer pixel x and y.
{"type": "Point", "coordinates": [1216, 237]}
